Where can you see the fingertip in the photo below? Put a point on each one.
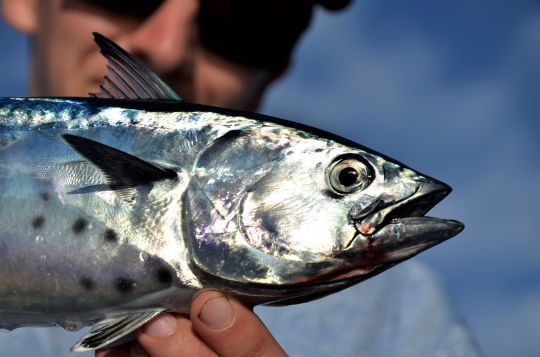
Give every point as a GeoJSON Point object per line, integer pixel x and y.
{"type": "Point", "coordinates": [214, 309]}
{"type": "Point", "coordinates": [171, 335]}
{"type": "Point", "coordinates": [162, 326]}
{"type": "Point", "coordinates": [101, 353]}
{"type": "Point", "coordinates": [200, 299]}
{"type": "Point", "coordinates": [229, 327]}
{"type": "Point", "coordinates": [137, 350]}
{"type": "Point", "coordinates": [122, 351]}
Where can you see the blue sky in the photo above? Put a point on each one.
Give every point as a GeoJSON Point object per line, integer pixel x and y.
{"type": "Point", "coordinates": [451, 89]}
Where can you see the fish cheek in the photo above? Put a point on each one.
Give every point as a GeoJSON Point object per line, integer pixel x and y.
{"type": "Point", "coordinates": [288, 222]}
{"type": "Point", "coordinates": [261, 230]}
{"type": "Point", "coordinates": [225, 172]}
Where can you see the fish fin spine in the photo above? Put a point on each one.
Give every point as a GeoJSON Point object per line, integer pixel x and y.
{"type": "Point", "coordinates": [127, 78]}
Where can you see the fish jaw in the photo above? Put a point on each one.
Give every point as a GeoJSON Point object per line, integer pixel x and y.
{"type": "Point", "coordinates": [400, 231]}
{"type": "Point", "coordinates": [400, 239]}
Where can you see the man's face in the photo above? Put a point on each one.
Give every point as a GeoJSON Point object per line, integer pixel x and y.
{"type": "Point", "coordinates": [162, 34]}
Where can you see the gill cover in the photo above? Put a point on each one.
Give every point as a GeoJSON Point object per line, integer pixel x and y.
{"type": "Point", "coordinates": [224, 173]}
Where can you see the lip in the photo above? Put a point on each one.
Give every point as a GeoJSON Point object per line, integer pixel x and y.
{"type": "Point", "coordinates": [400, 231]}
{"type": "Point", "coordinates": [399, 240]}
{"type": "Point", "coordinates": [402, 238]}
{"type": "Point", "coordinates": [424, 198]}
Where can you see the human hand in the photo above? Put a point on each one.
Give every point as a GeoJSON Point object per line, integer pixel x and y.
{"type": "Point", "coordinates": [218, 325]}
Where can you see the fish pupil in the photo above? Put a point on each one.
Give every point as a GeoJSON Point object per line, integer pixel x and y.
{"type": "Point", "coordinates": [348, 176]}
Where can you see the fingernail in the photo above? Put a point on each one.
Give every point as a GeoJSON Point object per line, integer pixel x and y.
{"type": "Point", "coordinates": [162, 326]}
{"type": "Point", "coordinates": [217, 313]}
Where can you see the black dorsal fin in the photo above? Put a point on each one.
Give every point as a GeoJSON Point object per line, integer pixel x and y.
{"type": "Point", "coordinates": [127, 77]}
{"type": "Point", "coordinates": [122, 170]}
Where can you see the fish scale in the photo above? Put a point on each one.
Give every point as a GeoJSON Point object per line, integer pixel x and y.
{"type": "Point", "coordinates": [69, 222]}
{"type": "Point", "coordinates": [118, 207]}
{"type": "Point", "coordinates": [66, 246]}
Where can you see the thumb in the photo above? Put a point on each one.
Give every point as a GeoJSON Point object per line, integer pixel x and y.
{"type": "Point", "coordinates": [230, 328]}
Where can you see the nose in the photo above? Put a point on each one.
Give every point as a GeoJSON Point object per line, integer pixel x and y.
{"type": "Point", "coordinates": [164, 41]}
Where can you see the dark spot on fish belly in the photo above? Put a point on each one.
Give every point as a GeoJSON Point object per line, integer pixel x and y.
{"type": "Point", "coordinates": [267, 244]}
{"type": "Point", "coordinates": [79, 226]}
{"type": "Point", "coordinates": [110, 235]}
{"type": "Point", "coordinates": [87, 283]}
{"type": "Point", "coordinates": [318, 150]}
{"type": "Point", "coordinates": [44, 196]}
{"type": "Point", "coordinates": [282, 250]}
{"type": "Point", "coordinates": [38, 222]}
{"type": "Point", "coordinates": [124, 285]}
{"type": "Point", "coordinates": [164, 276]}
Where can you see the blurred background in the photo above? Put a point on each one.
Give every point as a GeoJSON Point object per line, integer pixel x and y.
{"type": "Point", "coordinates": [451, 88]}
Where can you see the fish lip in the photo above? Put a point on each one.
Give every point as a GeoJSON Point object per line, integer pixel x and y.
{"type": "Point", "coordinates": [421, 202]}
{"type": "Point", "coordinates": [417, 233]}
{"type": "Point", "coordinates": [417, 204]}
{"type": "Point", "coordinates": [399, 240]}
{"type": "Point", "coordinates": [400, 231]}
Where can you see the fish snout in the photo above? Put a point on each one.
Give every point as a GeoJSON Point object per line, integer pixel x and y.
{"type": "Point", "coordinates": [404, 201]}
{"type": "Point", "coordinates": [399, 230]}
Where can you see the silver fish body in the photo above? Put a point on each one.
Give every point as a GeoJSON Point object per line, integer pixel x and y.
{"type": "Point", "coordinates": [251, 204]}
{"type": "Point", "coordinates": [113, 211]}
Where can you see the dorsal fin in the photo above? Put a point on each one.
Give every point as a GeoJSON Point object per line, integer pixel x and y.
{"type": "Point", "coordinates": [122, 171]}
{"type": "Point", "coordinates": [127, 77]}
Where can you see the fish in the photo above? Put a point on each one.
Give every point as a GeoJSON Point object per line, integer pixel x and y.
{"type": "Point", "coordinates": [122, 205]}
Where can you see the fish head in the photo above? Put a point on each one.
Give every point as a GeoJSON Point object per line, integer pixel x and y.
{"type": "Point", "coordinates": [282, 206]}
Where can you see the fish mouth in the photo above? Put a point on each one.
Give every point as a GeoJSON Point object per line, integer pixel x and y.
{"type": "Point", "coordinates": [398, 232]}
{"type": "Point", "coordinates": [399, 239]}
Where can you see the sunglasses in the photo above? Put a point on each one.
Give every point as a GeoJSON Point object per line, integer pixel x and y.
{"type": "Point", "coordinates": [253, 33]}
{"type": "Point", "coordinates": [137, 10]}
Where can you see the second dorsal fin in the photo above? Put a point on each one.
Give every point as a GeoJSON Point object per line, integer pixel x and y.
{"type": "Point", "coordinates": [127, 78]}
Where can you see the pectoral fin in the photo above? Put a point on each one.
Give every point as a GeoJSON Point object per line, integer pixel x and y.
{"type": "Point", "coordinates": [123, 171]}
{"type": "Point", "coordinates": [106, 332]}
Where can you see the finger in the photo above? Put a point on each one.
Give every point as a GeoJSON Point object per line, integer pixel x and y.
{"type": "Point", "coordinates": [230, 328]}
{"type": "Point", "coordinates": [123, 351]}
{"type": "Point", "coordinates": [131, 349]}
{"type": "Point", "coordinates": [172, 335]}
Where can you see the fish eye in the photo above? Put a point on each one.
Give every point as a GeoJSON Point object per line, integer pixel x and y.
{"type": "Point", "coordinates": [349, 175]}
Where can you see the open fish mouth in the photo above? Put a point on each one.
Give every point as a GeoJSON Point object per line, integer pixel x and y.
{"type": "Point", "coordinates": [397, 232]}
{"type": "Point", "coordinates": [399, 239]}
